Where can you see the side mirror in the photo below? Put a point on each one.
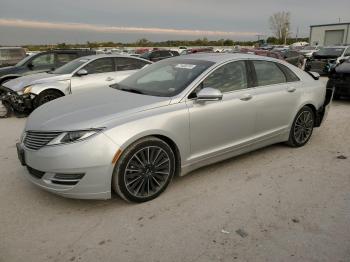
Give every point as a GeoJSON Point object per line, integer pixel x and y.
{"type": "Point", "coordinates": [30, 65]}
{"type": "Point", "coordinates": [209, 94]}
{"type": "Point", "coordinates": [82, 72]}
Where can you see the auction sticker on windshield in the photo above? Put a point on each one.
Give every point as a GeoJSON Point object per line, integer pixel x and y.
{"type": "Point", "coordinates": [185, 66]}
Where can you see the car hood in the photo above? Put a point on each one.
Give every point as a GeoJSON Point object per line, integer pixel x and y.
{"type": "Point", "coordinates": [19, 83]}
{"type": "Point", "coordinates": [93, 109]}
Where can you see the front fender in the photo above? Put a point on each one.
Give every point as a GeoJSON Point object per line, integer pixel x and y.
{"type": "Point", "coordinates": [171, 122]}
{"type": "Point", "coordinates": [62, 86]}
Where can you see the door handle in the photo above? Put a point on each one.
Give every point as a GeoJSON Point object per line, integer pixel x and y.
{"type": "Point", "coordinates": [291, 89]}
{"type": "Point", "coordinates": [109, 79]}
{"type": "Point", "coordinates": [246, 97]}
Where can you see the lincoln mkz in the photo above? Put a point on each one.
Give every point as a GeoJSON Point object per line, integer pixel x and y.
{"type": "Point", "coordinates": [168, 119]}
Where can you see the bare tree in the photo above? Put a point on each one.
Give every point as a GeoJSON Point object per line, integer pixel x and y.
{"type": "Point", "coordinates": [280, 25]}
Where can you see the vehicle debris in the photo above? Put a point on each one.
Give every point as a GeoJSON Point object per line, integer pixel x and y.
{"type": "Point", "coordinates": [242, 232]}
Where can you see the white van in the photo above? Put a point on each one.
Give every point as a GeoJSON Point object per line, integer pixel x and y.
{"type": "Point", "coordinates": [10, 56]}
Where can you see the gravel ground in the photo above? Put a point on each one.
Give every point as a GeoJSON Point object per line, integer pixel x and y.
{"type": "Point", "coordinates": [275, 204]}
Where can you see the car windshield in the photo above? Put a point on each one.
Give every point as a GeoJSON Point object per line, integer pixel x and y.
{"type": "Point", "coordinates": [330, 52]}
{"type": "Point", "coordinates": [165, 78]}
{"type": "Point", "coordinates": [70, 67]}
{"type": "Point", "coordinates": [24, 60]}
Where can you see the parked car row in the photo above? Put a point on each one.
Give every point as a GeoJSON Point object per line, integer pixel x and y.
{"type": "Point", "coordinates": [26, 93]}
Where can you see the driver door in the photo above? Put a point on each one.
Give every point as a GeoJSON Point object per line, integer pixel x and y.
{"type": "Point", "coordinates": [220, 126]}
{"type": "Point", "coordinates": [101, 73]}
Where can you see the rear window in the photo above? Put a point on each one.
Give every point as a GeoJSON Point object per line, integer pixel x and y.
{"type": "Point", "coordinates": [290, 75]}
{"type": "Point", "coordinates": [330, 52]}
{"type": "Point", "coordinates": [65, 58]}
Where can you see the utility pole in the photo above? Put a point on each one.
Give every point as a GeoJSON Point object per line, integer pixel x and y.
{"type": "Point", "coordinates": [296, 35]}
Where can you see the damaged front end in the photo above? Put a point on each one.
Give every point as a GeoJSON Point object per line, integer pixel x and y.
{"type": "Point", "coordinates": [12, 102]}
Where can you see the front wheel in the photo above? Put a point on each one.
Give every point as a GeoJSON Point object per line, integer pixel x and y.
{"type": "Point", "coordinates": [302, 127]}
{"type": "Point", "coordinates": [46, 96]}
{"type": "Point", "coordinates": [144, 170]}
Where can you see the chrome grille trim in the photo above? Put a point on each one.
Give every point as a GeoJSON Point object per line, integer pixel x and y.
{"type": "Point", "coordinates": [36, 139]}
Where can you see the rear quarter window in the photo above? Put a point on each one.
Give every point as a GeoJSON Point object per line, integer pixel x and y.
{"type": "Point", "coordinates": [290, 75]}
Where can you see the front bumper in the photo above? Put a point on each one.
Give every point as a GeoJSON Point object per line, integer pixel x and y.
{"type": "Point", "coordinates": [19, 103]}
{"type": "Point", "coordinates": [80, 170]}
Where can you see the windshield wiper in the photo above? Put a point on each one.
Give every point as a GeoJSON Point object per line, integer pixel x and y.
{"type": "Point", "coordinates": [131, 90]}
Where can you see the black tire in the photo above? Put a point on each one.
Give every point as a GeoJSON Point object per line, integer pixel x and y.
{"type": "Point", "coordinates": [137, 177]}
{"type": "Point", "coordinates": [302, 127]}
{"type": "Point", "coordinates": [46, 96]}
{"type": "Point", "coordinates": [336, 96]}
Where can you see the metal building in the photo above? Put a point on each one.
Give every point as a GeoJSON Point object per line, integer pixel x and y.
{"type": "Point", "coordinates": [330, 34]}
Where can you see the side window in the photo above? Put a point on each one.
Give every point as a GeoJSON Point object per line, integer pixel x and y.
{"type": "Point", "coordinates": [268, 73]}
{"type": "Point", "coordinates": [65, 58]}
{"type": "Point", "coordinates": [165, 53]}
{"type": "Point", "coordinates": [155, 54]}
{"type": "Point", "coordinates": [124, 64]}
{"type": "Point", "coordinates": [290, 75]}
{"type": "Point", "coordinates": [102, 65]}
{"type": "Point", "coordinates": [44, 60]}
{"type": "Point", "coordinates": [230, 77]}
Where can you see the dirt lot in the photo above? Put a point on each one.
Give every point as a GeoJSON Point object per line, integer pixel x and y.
{"type": "Point", "coordinates": [286, 204]}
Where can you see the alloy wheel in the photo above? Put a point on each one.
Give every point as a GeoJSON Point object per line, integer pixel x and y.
{"type": "Point", "coordinates": [147, 171]}
{"type": "Point", "coordinates": [303, 127]}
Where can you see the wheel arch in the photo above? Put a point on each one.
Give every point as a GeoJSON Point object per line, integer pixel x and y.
{"type": "Point", "coordinates": [314, 110]}
{"type": "Point", "coordinates": [162, 136]}
{"type": "Point", "coordinates": [38, 92]}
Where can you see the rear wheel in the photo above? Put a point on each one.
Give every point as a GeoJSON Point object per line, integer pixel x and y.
{"type": "Point", "coordinates": [46, 96]}
{"type": "Point", "coordinates": [144, 170]}
{"type": "Point", "coordinates": [302, 127]}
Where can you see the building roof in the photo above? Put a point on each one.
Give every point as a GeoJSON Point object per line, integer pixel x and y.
{"type": "Point", "coordinates": [330, 24]}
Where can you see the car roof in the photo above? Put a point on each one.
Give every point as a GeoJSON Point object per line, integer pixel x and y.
{"type": "Point", "coordinates": [90, 57]}
{"type": "Point", "coordinates": [223, 57]}
{"type": "Point", "coordinates": [336, 46]}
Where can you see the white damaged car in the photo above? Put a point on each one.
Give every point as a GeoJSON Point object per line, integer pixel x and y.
{"type": "Point", "coordinates": [26, 93]}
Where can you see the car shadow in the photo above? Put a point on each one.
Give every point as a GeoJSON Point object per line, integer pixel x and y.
{"type": "Point", "coordinates": [178, 182]}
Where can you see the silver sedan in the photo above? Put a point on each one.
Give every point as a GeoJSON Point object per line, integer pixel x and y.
{"type": "Point", "coordinates": [168, 119]}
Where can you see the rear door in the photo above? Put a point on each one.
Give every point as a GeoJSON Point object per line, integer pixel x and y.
{"type": "Point", "coordinates": [276, 97]}
{"type": "Point", "coordinates": [101, 73]}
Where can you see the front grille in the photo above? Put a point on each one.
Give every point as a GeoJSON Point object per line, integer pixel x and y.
{"type": "Point", "coordinates": [35, 139]}
{"type": "Point", "coordinates": [35, 173]}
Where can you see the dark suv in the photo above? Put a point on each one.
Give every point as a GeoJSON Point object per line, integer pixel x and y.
{"type": "Point", "coordinates": [339, 78]}
{"type": "Point", "coordinates": [157, 55]}
{"type": "Point", "coordinates": [41, 62]}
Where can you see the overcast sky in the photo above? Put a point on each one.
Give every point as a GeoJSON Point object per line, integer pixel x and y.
{"type": "Point", "coordinates": [55, 21]}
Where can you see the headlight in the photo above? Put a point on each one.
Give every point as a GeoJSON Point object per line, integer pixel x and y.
{"type": "Point", "coordinates": [27, 90]}
{"type": "Point", "coordinates": [73, 136]}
